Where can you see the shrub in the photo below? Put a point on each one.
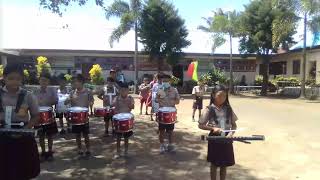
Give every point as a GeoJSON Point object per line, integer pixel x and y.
{"type": "Point", "coordinates": [43, 65]}
{"type": "Point", "coordinates": [96, 75]}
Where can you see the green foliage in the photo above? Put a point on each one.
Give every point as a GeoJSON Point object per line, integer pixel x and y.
{"type": "Point", "coordinates": [1, 70]}
{"type": "Point", "coordinates": [174, 80]}
{"type": "Point", "coordinates": [26, 75]}
{"type": "Point", "coordinates": [311, 82]}
{"type": "Point", "coordinates": [68, 78]}
{"type": "Point", "coordinates": [56, 6]}
{"type": "Point", "coordinates": [162, 31]}
{"type": "Point", "coordinates": [221, 24]}
{"type": "Point", "coordinates": [214, 77]}
{"type": "Point", "coordinates": [286, 81]}
{"type": "Point", "coordinates": [129, 15]}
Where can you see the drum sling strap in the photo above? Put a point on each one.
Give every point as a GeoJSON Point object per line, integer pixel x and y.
{"type": "Point", "coordinates": [21, 96]}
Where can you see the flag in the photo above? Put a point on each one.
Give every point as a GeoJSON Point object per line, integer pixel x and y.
{"type": "Point", "coordinates": [193, 70]}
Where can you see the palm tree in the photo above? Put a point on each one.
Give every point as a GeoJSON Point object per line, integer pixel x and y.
{"type": "Point", "coordinates": [221, 24]}
{"type": "Point", "coordinates": [129, 15]}
{"type": "Point", "coordinates": [309, 11]}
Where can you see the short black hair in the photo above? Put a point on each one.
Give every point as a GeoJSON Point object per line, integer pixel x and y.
{"type": "Point", "coordinates": [124, 85]}
{"type": "Point", "coordinates": [13, 68]}
{"type": "Point", "coordinates": [45, 74]}
{"type": "Point", "coordinates": [79, 77]}
{"type": "Point", "coordinates": [109, 79]}
{"type": "Point", "coordinates": [61, 77]}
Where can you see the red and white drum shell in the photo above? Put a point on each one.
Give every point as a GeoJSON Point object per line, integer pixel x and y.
{"type": "Point", "coordinates": [123, 122]}
{"type": "Point", "coordinates": [46, 115]}
{"type": "Point", "coordinates": [100, 112]}
{"type": "Point", "coordinates": [78, 115]}
{"type": "Point", "coordinates": [167, 115]}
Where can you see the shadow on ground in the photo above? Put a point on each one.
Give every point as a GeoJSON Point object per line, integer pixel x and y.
{"type": "Point", "coordinates": [144, 162]}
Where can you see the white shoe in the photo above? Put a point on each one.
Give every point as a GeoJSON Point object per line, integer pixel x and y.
{"type": "Point", "coordinates": [116, 156]}
{"type": "Point", "coordinates": [170, 148]}
{"type": "Point", "coordinates": [162, 149]}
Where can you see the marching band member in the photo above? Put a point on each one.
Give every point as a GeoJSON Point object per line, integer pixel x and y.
{"type": "Point", "coordinates": [81, 97]}
{"type": "Point", "coordinates": [167, 96]}
{"type": "Point", "coordinates": [19, 157]}
{"type": "Point", "coordinates": [155, 86]}
{"type": "Point", "coordinates": [61, 108]}
{"type": "Point", "coordinates": [197, 93]}
{"type": "Point", "coordinates": [144, 89]}
{"type": "Point", "coordinates": [107, 95]}
{"type": "Point", "coordinates": [123, 103]}
{"type": "Point", "coordinates": [46, 97]}
{"type": "Point", "coordinates": [217, 117]}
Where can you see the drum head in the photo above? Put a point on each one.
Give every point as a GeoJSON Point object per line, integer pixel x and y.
{"type": "Point", "coordinates": [167, 109]}
{"type": "Point", "coordinates": [45, 109]}
{"type": "Point", "coordinates": [78, 109]}
{"type": "Point", "coordinates": [123, 116]}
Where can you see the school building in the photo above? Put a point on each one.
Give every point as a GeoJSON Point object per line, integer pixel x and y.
{"type": "Point", "coordinates": [70, 61]}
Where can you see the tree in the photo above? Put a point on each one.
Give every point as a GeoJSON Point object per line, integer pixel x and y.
{"type": "Point", "coordinates": [309, 10]}
{"type": "Point", "coordinates": [56, 5]}
{"type": "Point", "coordinates": [129, 15]}
{"type": "Point", "coordinates": [257, 35]}
{"type": "Point", "coordinates": [221, 24]}
{"type": "Point", "coordinates": [162, 31]}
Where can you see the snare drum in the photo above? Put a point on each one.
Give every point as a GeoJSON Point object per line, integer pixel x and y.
{"type": "Point", "coordinates": [100, 112]}
{"type": "Point", "coordinates": [167, 115]}
{"type": "Point", "coordinates": [78, 115]}
{"type": "Point", "coordinates": [46, 115]}
{"type": "Point", "coordinates": [123, 122]}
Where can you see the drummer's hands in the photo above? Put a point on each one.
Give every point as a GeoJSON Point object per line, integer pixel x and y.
{"type": "Point", "coordinates": [230, 135]}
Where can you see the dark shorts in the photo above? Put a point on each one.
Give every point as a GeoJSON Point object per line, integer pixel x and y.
{"type": "Point", "coordinates": [166, 127]}
{"type": "Point", "coordinates": [48, 129]}
{"type": "Point", "coordinates": [61, 115]}
{"type": "Point", "coordinates": [220, 154]}
{"type": "Point", "coordinates": [198, 104]}
{"type": "Point", "coordinates": [124, 135]}
{"type": "Point", "coordinates": [108, 118]}
{"type": "Point", "coordinates": [78, 129]}
{"type": "Point", "coordinates": [19, 158]}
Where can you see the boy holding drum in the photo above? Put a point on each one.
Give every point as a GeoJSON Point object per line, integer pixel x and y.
{"type": "Point", "coordinates": [47, 97]}
{"type": "Point", "coordinates": [107, 94]}
{"type": "Point", "coordinates": [167, 96]}
{"type": "Point", "coordinates": [123, 104]}
{"type": "Point", "coordinates": [81, 99]}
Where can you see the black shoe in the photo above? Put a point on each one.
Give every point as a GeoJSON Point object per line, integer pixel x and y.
{"type": "Point", "coordinates": [87, 154]}
{"type": "Point", "coordinates": [62, 132]}
{"type": "Point", "coordinates": [50, 156]}
{"type": "Point", "coordinates": [106, 134]}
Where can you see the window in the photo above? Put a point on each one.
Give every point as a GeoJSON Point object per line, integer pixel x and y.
{"type": "Point", "coordinates": [277, 68]}
{"type": "Point", "coordinates": [296, 67]}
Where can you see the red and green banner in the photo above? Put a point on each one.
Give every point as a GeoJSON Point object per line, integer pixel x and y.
{"type": "Point", "coordinates": [193, 70]}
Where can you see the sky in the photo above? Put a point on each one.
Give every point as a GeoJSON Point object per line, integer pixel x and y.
{"type": "Point", "coordinates": [26, 25]}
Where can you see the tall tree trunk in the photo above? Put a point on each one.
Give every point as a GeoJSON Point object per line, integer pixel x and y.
{"type": "Point", "coordinates": [231, 70]}
{"type": "Point", "coordinates": [135, 59]}
{"type": "Point", "coordinates": [304, 58]}
{"type": "Point", "coordinates": [265, 74]}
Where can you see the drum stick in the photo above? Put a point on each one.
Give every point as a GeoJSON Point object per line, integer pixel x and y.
{"type": "Point", "coordinates": [233, 130]}
{"type": "Point", "coordinates": [18, 124]}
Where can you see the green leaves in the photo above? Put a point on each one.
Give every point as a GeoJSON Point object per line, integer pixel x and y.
{"type": "Point", "coordinates": [128, 14]}
{"type": "Point", "coordinates": [162, 31]}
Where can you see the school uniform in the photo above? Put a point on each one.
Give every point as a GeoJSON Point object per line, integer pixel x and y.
{"type": "Point", "coordinates": [166, 100]}
{"type": "Point", "coordinates": [81, 99]}
{"type": "Point", "coordinates": [122, 106]}
{"type": "Point", "coordinates": [198, 91]}
{"type": "Point", "coordinates": [219, 153]}
{"type": "Point", "coordinates": [61, 108]}
{"type": "Point", "coordinates": [144, 93]}
{"type": "Point", "coordinates": [47, 97]}
{"type": "Point", "coordinates": [19, 156]}
{"type": "Point", "coordinates": [108, 93]}
{"type": "Point", "coordinates": [155, 88]}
